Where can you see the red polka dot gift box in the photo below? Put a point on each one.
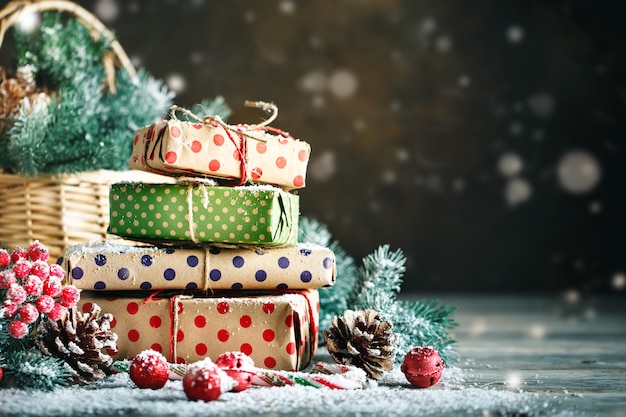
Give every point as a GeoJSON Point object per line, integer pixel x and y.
{"type": "Point", "coordinates": [121, 264]}
{"type": "Point", "coordinates": [195, 212]}
{"type": "Point", "coordinates": [235, 153]}
{"type": "Point", "coordinates": [278, 331]}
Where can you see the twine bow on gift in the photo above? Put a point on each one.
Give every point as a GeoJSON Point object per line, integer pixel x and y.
{"type": "Point", "coordinates": [243, 131]}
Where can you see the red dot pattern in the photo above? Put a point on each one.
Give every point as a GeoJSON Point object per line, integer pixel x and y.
{"type": "Point", "coordinates": [175, 131]}
{"type": "Point", "coordinates": [155, 321]}
{"type": "Point", "coordinates": [132, 308]}
{"type": "Point", "coordinates": [200, 321]}
{"type": "Point", "coordinates": [201, 349]}
{"type": "Point", "coordinates": [268, 335]}
{"type": "Point", "coordinates": [223, 335]}
{"type": "Point", "coordinates": [245, 321]}
{"type": "Point", "coordinates": [223, 307]}
{"type": "Point", "coordinates": [133, 335]}
{"type": "Point", "coordinates": [268, 308]}
{"type": "Point", "coordinates": [269, 362]}
{"type": "Point", "coordinates": [280, 160]}
{"type": "Point", "coordinates": [246, 348]}
{"type": "Point", "coordinates": [196, 146]}
{"type": "Point", "coordinates": [87, 307]}
{"type": "Point", "coordinates": [261, 328]}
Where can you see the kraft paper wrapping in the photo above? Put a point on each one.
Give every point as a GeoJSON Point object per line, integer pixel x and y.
{"type": "Point", "coordinates": [278, 331]}
{"type": "Point", "coordinates": [194, 212]}
{"type": "Point", "coordinates": [117, 264]}
{"type": "Point", "coordinates": [175, 147]}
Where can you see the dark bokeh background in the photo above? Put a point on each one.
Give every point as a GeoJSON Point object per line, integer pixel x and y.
{"type": "Point", "coordinates": [483, 138]}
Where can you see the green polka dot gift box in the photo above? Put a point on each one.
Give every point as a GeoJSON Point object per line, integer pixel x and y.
{"type": "Point", "coordinates": [121, 264]}
{"type": "Point", "coordinates": [195, 212]}
{"type": "Point", "coordinates": [277, 330]}
{"type": "Point", "coordinates": [220, 151]}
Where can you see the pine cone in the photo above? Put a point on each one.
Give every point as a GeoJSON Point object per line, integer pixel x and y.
{"type": "Point", "coordinates": [361, 339]}
{"type": "Point", "coordinates": [78, 339]}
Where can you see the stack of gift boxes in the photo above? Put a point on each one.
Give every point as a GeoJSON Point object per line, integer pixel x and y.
{"type": "Point", "coordinates": [199, 268]}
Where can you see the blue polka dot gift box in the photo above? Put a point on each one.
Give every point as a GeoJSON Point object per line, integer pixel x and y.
{"type": "Point", "coordinates": [195, 212]}
{"type": "Point", "coordinates": [122, 264]}
{"type": "Point", "coordinates": [277, 330]}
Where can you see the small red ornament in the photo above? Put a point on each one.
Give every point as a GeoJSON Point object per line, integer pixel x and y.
{"type": "Point", "coordinates": [205, 381]}
{"type": "Point", "coordinates": [423, 367]}
{"type": "Point", "coordinates": [0, 374]}
{"type": "Point", "coordinates": [149, 369]}
{"type": "Point", "coordinates": [238, 366]}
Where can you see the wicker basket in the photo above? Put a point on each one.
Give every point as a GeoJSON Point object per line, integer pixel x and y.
{"type": "Point", "coordinates": [59, 211]}
{"type": "Point", "coordinates": [66, 209]}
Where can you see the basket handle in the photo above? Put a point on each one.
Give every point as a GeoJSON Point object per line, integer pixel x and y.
{"type": "Point", "coordinates": [14, 9]}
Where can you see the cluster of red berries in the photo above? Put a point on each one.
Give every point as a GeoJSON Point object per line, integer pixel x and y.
{"type": "Point", "coordinates": [32, 288]}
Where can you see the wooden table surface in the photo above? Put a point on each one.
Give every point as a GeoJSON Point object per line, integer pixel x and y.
{"type": "Point", "coordinates": [572, 348]}
{"type": "Point", "coordinates": [520, 356]}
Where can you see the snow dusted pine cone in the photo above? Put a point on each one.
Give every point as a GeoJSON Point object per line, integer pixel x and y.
{"type": "Point", "coordinates": [362, 339]}
{"type": "Point", "coordinates": [79, 339]}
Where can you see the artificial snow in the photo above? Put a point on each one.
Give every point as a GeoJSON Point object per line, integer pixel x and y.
{"type": "Point", "coordinates": [392, 396]}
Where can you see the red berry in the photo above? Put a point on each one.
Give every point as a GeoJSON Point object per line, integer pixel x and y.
{"type": "Point", "coordinates": [33, 285]}
{"type": "Point", "coordinates": [52, 286]}
{"type": "Point", "coordinates": [5, 258]}
{"type": "Point", "coordinates": [57, 312]}
{"type": "Point", "coordinates": [149, 369]}
{"type": "Point", "coordinates": [45, 303]}
{"type": "Point", "coordinates": [40, 269]}
{"type": "Point", "coordinates": [57, 270]}
{"type": "Point", "coordinates": [205, 381]}
{"type": "Point", "coordinates": [28, 313]}
{"type": "Point", "coordinates": [38, 251]}
{"type": "Point", "coordinates": [422, 367]}
{"type": "Point", "coordinates": [16, 294]}
{"type": "Point", "coordinates": [69, 296]}
{"type": "Point", "coordinates": [18, 329]}
{"type": "Point", "coordinates": [18, 253]}
{"type": "Point", "coordinates": [22, 268]}
{"type": "Point", "coordinates": [7, 278]}
{"type": "Point", "coordinates": [9, 309]}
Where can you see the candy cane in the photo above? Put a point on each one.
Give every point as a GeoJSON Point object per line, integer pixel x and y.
{"type": "Point", "coordinates": [322, 375]}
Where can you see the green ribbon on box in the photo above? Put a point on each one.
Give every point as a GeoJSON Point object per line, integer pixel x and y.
{"type": "Point", "coordinates": [195, 212]}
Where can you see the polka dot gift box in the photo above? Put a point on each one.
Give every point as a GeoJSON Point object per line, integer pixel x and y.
{"type": "Point", "coordinates": [278, 331]}
{"type": "Point", "coordinates": [194, 212]}
{"type": "Point", "coordinates": [220, 151]}
{"type": "Point", "coordinates": [120, 264]}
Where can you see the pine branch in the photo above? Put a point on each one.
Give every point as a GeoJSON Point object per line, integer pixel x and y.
{"type": "Point", "coordinates": [379, 281]}
{"type": "Point", "coordinates": [85, 126]}
{"type": "Point", "coordinates": [415, 323]}
{"type": "Point", "coordinates": [33, 370]}
{"type": "Point", "coordinates": [215, 107]}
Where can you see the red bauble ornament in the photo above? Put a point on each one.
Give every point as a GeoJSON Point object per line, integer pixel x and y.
{"type": "Point", "coordinates": [0, 374]}
{"type": "Point", "coordinates": [423, 367]}
{"type": "Point", "coordinates": [205, 381]}
{"type": "Point", "coordinates": [238, 366]}
{"type": "Point", "coordinates": [149, 369]}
